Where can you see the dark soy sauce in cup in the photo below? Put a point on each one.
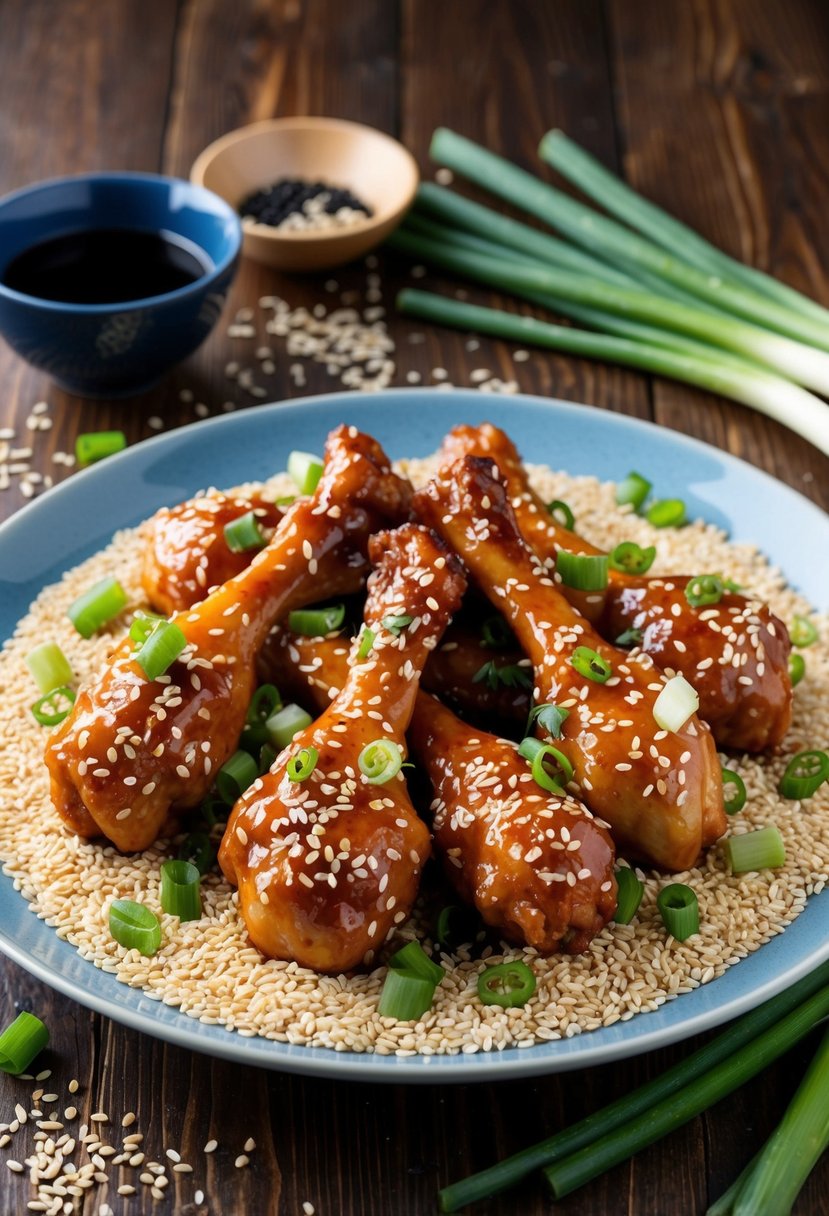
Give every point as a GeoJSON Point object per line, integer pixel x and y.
{"type": "Point", "coordinates": [106, 266]}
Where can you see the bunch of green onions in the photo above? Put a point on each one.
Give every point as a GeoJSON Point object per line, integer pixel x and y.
{"type": "Point", "coordinates": [770, 1184]}
{"type": "Point", "coordinates": [648, 291]}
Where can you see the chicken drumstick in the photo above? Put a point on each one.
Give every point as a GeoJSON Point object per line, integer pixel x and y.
{"type": "Point", "coordinates": [734, 653]}
{"type": "Point", "coordinates": [327, 866]}
{"type": "Point", "coordinates": [661, 792]}
{"type": "Point", "coordinates": [132, 748]}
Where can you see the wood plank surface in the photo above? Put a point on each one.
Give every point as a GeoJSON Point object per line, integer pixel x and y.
{"type": "Point", "coordinates": [717, 109]}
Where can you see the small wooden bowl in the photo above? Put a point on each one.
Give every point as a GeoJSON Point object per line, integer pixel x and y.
{"type": "Point", "coordinates": [375, 167]}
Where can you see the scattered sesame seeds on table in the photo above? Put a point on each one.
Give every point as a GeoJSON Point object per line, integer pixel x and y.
{"type": "Point", "coordinates": [324, 1148]}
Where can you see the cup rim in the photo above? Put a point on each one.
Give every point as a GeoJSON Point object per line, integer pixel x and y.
{"type": "Point", "coordinates": [128, 176]}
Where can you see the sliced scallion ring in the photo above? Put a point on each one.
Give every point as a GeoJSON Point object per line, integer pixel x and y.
{"type": "Point", "coordinates": [675, 704]}
{"type": "Point", "coordinates": [562, 514]}
{"type": "Point", "coordinates": [629, 892]}
{"type": "Point", "coordinates": [802, 632]}
{"type": "Point", "coordinates": [21, 1042]}
{"type": "Point", "coordinates": [704, 589]}
{"type": "Point", "coordinates": [667, 513]}
{"type": "Point", "coordinates": [97, 445]}
{"type": "Point", "coordinates": [630, 558]}
{"type": "Point", "coordinates": [235, 775]}
{"type": "Point", "coordinates": [591, 664]}
{"type": "Point", "coordinates": [97, 606]}
{"type": "Point", "coordinates": [244, 534]}
{"type": "Point", "coordinates": [414, 959]}
{"type": "Point", "coordinates": [680, 910]}
{"type": "Point", "coordinates": [366, 642]}
{"type": "Point", "coordinates": [509, 985]}
{"type": "Point", "coordinates": [455, 925]}
{"type": "Point", "coordinates": [396, 624]}
{"type": "Point", "coordinates": [134, 926]}
{"type": "Point", "coordinates": [797, 668]}
{"type": "Point", "coordinates": [263, 704]}
{"type": "Point", "coordinates": [634, 490]}
{"type": "Point", "coordinates": [734, 791]}
{"type": "Point", "coordinates": [287, 722]}
{"type": "Point", "coordinates": [49, 666]}
{"type": "Point", "coordinates": [142, 626]}
{"type": "Point", "coordinates": [582, 571]}
{"type": "Point", "coordinates": [804, 774]}
{"type": "Point", "coordinates": [305, 470]}
{"type": "Point", "coordinates": [759, 850]}
{"type": "Point", "coordinates": [53, 707]}
{"type": "Point", "coordinates": [405, 996]}
{"type": "Point", "coordinates": [550, 768]}
{"type": "Point", "coordinates": [316, 622]}
{"type": "Point", "coordinates": [300, 766]}
{"type": "Point", "coordinates": [630, 637]}
{"type": "Point", "coordinates": [181, 890]}
{"type": "Point", "coordinates": [380, 761]}
{"type": "Point", "coordinates": [161, 649]}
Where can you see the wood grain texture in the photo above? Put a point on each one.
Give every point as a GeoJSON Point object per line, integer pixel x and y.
{"type": "Point", "coordinates": [717, 109]}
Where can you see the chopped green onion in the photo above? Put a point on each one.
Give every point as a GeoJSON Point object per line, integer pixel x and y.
{"type": "Point", "coordinates": [367, 638]}
{"type": "Point", "coordinates": [161, 649]}
{"type": "Point", "coordinates": [802, 632]}
{"type": "Point", "coordinates": [285, 723]}
{"type": "Point", "coordinates": [235, 775]}
{"type": "Point", "coordinates": [667, 513]}
{"type": "Point", "coordinates": [134, 926]}
{"type": "Point", "coordinates": [509, 985]}
{"type": "Point", "coordinates": [562, 514]}
{"type": "Point", "coordinates": [630, 558]}
{"type": "Point", "coordinates": [21, 1042]}
{"type": "Point", "coordinates": [676, 703]}
{"type": "Point", "coordinates": [53, 707]}
{"type": "Point", "coordinates": [305, 470]}
{"type": "Point", "coordinates": [244, 533]}
{"type": "Point", "coordinates": [804, 773]}
{"type": "Point", "coordinates": [198, 849]}
{"type": "Point", "coordinates": [680, 910]}
{"type": "Point", "coordinates": [582, 571]}
{"type": "Point", "coordinates": [96, 445]}
{"type": "Point", "coordinates": [762, 849]}
{"type": "Point", "coordinates": [736, 800]}
{"type": "Point", "coordinates": [316, 622]}
{"type": "Point", "coordinates": [634, 490]}
{"type": "Point", "coordinates": [549, 717]}
{"type": "Point", "coordinates": [704, 589]}
{"type": "Point", "coordinates": [142, 626]}
{"type": "Point", "coordinates": [97, 606]}
{"type": "Point", "coordinates": [267, 755]}
{"type": "Point", "coordinates": [405, 996]}
{"type": "Point", "coordinates": [300, 766]}
{"type": "Point", "coordinates": [455, 926]}
{"type": "Point", "coordinates": [589, 663]}
{"type": "Point", "coordinates": [414, 959]}
{"type": "Point", "coordinates": [511, 675]}
{"type": "Point", "coordinates": [797, 668]}
{"type": "Point", "coordinates": [263, 704]}
{"type": "Point", "coordinates": [629, 894]}
{"type": "Point", "coordinates": [285, 501]}
{"type": "Point", "coordinates": [396, 624]}
{"type": "Point", "coordinates": [181, 890]}
{"type": "Point", "coordinates": [630, 637]}
{"type": "Point", "coordinates": [550, 768]}
{"type": "Point", "coordinates": [49, 666]}
{"type": "Point", "coordinates": [496, 633]}
{"type": "Point", "coordinates": [380, 761]}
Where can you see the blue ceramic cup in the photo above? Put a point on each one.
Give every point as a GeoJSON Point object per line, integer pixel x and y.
{"type": "Point", "coordinates": [111, 350]}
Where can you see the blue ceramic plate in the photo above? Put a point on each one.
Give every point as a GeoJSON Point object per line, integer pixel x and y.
{"type": "Point", "coordinates": [74, 520]}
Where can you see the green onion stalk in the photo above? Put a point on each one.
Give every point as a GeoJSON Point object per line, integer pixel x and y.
{"type": "Point", "coordinates": [620, 245]}
{"type": "Point", "coordinates": [769, 394]}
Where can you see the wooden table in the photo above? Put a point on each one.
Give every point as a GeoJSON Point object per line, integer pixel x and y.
{"type": "Point", "coordinates": [718, 111]}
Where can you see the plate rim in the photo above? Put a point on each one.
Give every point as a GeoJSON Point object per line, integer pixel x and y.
{"type": "Point", "coordinates": [581, 1050]}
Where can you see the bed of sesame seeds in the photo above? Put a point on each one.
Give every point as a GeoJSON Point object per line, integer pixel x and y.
{"type": "Point", "coordinates": [209, 969]}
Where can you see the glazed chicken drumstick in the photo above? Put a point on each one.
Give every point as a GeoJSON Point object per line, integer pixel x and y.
{"type": "Point", "coordinates": [132, 748]}
{"type": "Point", "coordinates": [186, 555]}
{"type": "Point", "coordinates": [661, 792]}
{"type": "Point", "coordinates": [536, 865]}
{"type": "Point", "coordinates": [735, 653]}
{"type": "Point", "coordinates": [327, 865]}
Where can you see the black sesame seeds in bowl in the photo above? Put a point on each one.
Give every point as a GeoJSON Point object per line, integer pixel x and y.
{"type": "Point", "coordinates": [313, 193]}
